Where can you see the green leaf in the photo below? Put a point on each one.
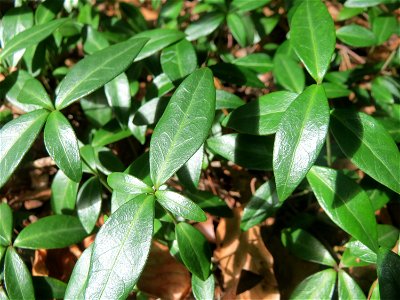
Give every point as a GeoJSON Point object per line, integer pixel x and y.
{"type": "Point", "coordinates": [48, 287]}
{"type": "Point", "coordinates": [312, 35]}
{"type": "Point", "coordinates": [243, 6]}
{"type": "Point", "coordinates": [388, 269]}
{"type": "Point", "coordinates": [180, 206]}
{"type": "Point", "coordinates": [110, 133]}
{"type": "Point", "coordinates": [77, 282]}
{"type": "Point", "coordinates": [194, 250]}
{"type": "Point", "coordinates": [51, 232]}
{"type": "Point", "coordinates": [228, 100]}
{"type": "Point", "coordinates": [17, 278]}
{"type": "Point", "coordinates": [307, 247]}
{"type": "Point", "coordinates": [252, 152]}
{"type": "Point", "coordinates": [261, 116]}
{"type": "Point", "coordinates": [63, 194]}
{"type": "Point", "coordinates": [151, 111]}
{"type": "Point", "coordinates": [62, 145]}
{"type": "Point", "coordinates": [89, 203]}
{"type": "Point", "coordinates": [96, 70]}
{"type": "Point", "coordinates": [17, 137]}
{"type": "Point", "coordinates": [356, 135]}
{"type": "Point", "coordinates": [47, 11]}
{"type": "Point", "coordinates": [33, 92]}
{"type": "Point", "coordinates": [120, 250]}
{"type": "Point", "coordinates": [238, 29]}
{"type": "Point", "coordinates": [128, 184]}
{"type": "Point", "coordinates": [288, 73]}
{"type": "Point", "coordinates": [334, 90]}
{"type": "Point", "coordinates": [349, 12]}
{"type": "Point", "coordinates": [94, 40]}
{"type": "Point", "coordinates": [96, 108]}
{"type": "Point", "coordinates": [158, 39]}
{"type": "Point", "coordinates": [356, 36]}
{"type": "Point", "coordinates": [299, 139]}
{"type": "Point", "coordinates": [263, 204]}
{"type": "Point", "coordinates": [317, 286]}
{"type": "Point", "coordinates": [184, 125]}
{"type": "Point", "coordinates": [189, 173]}
{"type": "Point", "coordinates": [30, 37]}
{"type": "Point", "coordinates": [6, 225]}
{"type": "Point", "coordinates": [206, 25]}
{"type": "Point", "coordinates": [366, 3]}
{"type": "Point", "coordinates": [348, 288]}
{"type": "Point", "coordinates": [119, 98]}
{"type": "Point", "coordinates": [383, 27]}
{"type": "Point", "coordinates": [203, 289]}
{"type": "Point", "coordinates": [179, 60]}
{"type": "Point", "coordinates": [235, 74]}
{"type": "Point", "coordinates": [210, 203]}
{"type": "Point", "coordinates": [257, 62]}
{"type": "Point", "coordinates": [345, 203]}
{"type": "Point", "coordinates": [3, 295]}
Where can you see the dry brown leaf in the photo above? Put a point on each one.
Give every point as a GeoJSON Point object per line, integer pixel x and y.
{"type": "Point", "coordinates": [39, 267]}
{"type": "Point", "coordinates": [163, 276]}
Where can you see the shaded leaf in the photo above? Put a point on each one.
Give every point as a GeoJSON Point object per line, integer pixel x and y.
{"type": "Point", "coordinates": [63, 194]}
{"type": "Point", "coordinates": [317, 286]}
{"type": "Point", "coordinates": [6, 225]}
{"type": "Point", "coordinates": [89, 203]}
{"type": "Point", "coordinates": [388, 274]}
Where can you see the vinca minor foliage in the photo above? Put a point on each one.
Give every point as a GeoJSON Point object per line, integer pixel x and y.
{"type": "Point", "coordinates": [292, 113]}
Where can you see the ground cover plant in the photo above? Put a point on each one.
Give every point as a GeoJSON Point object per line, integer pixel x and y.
{"type": "Point", "coordinates": [199, 149]}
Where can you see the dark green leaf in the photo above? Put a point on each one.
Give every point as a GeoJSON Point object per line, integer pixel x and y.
{"type": "Point", "coordinates": [204, 26]}
{"type": "Point", "coordinates": [257, 62]}
{"type": "Point", "coordinates": [62, 145]}
{"type": "Point", "coordinates": [299, 139]}
{"type": "Point", "coordinates": [17, 137]}
{"type": "Point", "coordinates": [94, 41]}
{"type": "Point", "coordinates": [96, 108]}
{"type": "Point", "coordinates": [243, 6]}
{"type": "Point", "coordinates": [179, 60]}
{"type": "Point", "coordinates": [48, 287]}
{"type": "Point", "coordinates": [262, 116]}
{"type": "Point", "coordinates": [203, 289]}
{"type": "Point", "coordinates": [184, 125]}
{"type": "Point", "coordinates": [356, 36]}
{"type": "Point", "coordinates": [17, 278]}
{"type": "Point", "coordinates": [194, 250]}
{"type": "Point", "coordinates": [312, 36]}
{"type": "Point", "coordinates": [210, 203]}
{"type": "Point", "coordinates": [345, 203]}
{"type": "Point", "coordinates": [128, 184]}
{"type": "Point", "coordinates": [333, 90]}
{"type": "Point", "coordinates": [307, 247]}
{"type": "Point", "coordinates": [51, 232]}
{"type": "Point", "coordinates": [47, 11]}
{"type": "Point", "coordinates": [33, 92]}
{"type": "Point", "coordinates": [388, 269]}
{"type": "Point", "coordinates": [262, 205]}
{"type": "Point", "coordinates": [96, 70]}
{"type": "Point", "coordinates": [150, 112]}
{"type": "Point", "coordinates": [77, 282]}
{"type": "Point", "coordinates": [237, 75]}
{"type": "Point", "coordinates": [189, 173]}
{"type": "Point", "coordinates": [89, 203]}
{"type": "Point", "coordinates": [238, 29]}
{"type": "Point", "coordinates": [348, 288]}
{"type": "Point", "coordinates": [120, 250]}
{"type": "Point", "coordinates": [288, 73]}
{"type": "Point", "coordinates": [6, 225]}
{"type": "Point", "coordinates": [252, 152]}
{"type": "Point", "coordinates": [356, 135]}
{"type": "Point", "coordinates": [63, 194]}
{"type": "Point", "coordinates": [180, 206]}
{"type": "Point", "coordinates": [30, 37]}
{"type": "Point", "coordinates": [317, 286]}
{"type": "Point", "coordinates": [110, 133]}
{"type": "Point", "coordinates": [225, 99]}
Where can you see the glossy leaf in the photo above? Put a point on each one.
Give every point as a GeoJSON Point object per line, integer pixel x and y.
{"type": "Point", "coordinates": [119, 98]}
{"type": "Point", "coordinates": [225, 99]}
{"type": "Point", "coordinates": [388, 274]}
{"type": "Point", "coordinates": [366, 3]}
{"type": "Point", "coordinates": [94, 41]}
{"type": "Point", "coordinates": [263, 204]}
{"type": "Point", "coordinates": [30, 37]}
{"type": "Point", "coordinates": [206, 25]}
{"type": "Point", "coordinates": [203, 289]}
{"type": "Point", "coordinates": [17, 278]}
{"type": "Point", "coordinates": [356, 36]}
{"type": "Point", "coordinates": [89, 203]}
{"type": "Point", "coordinates": [299, 139]}
{"type": "Point", "coordinates": [307, 247]}
{"type": "Point", "coordinates": [62, 145]}
{"type": "Point", "coordinates": [348, 288]}
{"type": "Point", "coordinates": [158, 39]}
{"type": "Point", "coordinates": [6, 225]}
{"type": "Point", "coordinates": [33, 92]}
{"type": "Point", "coordinates": [179, 60]}
{"type": "Point", "coordinates": [183, 127]}
{"type": "Point", "coordinates": [288, 73]}
{"type": "Point", "coordinates": [150, 112]}
{"type": "Point", "coordinates": [63, 194]}
{"type": "Point", "coordinates": [317, 286]}
{"type": "Point", "coordinates": [16, 137]}
{"type": "Point", "coordinates": [258, 62]}
{"type": "Point", "coordinates": [238, 29]}
{"type": "Point", "coordinates": [243, 6]}
{"type": "Point", "coordinates": [110, 133]}
{"type": "Point", "coordinates": [210, 203]}
{"type": "Point", "coordinates": [125, 183]}
{"type": "Point", "coordinates": [333, 90]}
{"type": "Point", "coordinates": [121, 247]}
{"type": "Point", "coordinates": [261, 116]}
{"type": "Point", "coordinates": [356, 135]}
{"type": "Point", "coordinates": [189, 173]}
{"type": "Point", "coordinates": [194, 250]}
{"type": "Point", "coordinates": [252, 152]}
{"type": "Point", "coordinates": [345, 203]}
{"type": "Point", "coordinates": [51, 232]}
{"type": "Point", "coordinates": [96, 70]}
{"type": "Point", "coordinates": [46, 286]}
{"type": "Point", "coordinates": [77, 282]}
{"type": "Point", "coordinates": [312, 36]}
{"type": "Point", "coordinates": [237, 75]}
{"type": "Point", "coordinates": [180, 206]}
{"type": "Point", "coordinates": [47, 11]}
